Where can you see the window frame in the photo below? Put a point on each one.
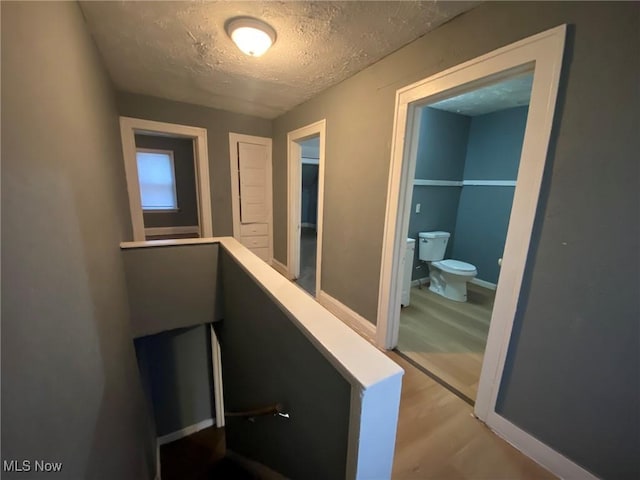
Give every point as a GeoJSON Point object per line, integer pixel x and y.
{"type": "Point", "coordinates": [170, 154]}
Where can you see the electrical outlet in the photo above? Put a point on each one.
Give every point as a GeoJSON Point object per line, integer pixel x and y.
{"type": "Point", "coordinates": [417, 208]}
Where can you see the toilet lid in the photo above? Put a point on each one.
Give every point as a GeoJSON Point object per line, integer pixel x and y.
{"type": "Point", "coordinates": [457, 265]}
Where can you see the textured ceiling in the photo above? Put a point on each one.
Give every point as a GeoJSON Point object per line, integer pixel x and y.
{"type": "Point", "coordinates": [513, 92]}
{"type": "Point", "coordinates": [180, 51]}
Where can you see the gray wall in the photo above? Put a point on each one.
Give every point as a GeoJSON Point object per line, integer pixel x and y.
{"type": "Point", "coordinates": [573, 365]}
{"type": "Point", "coordinates": [70, 387]}
{"type": "Point", "coordinates": [185, 174]}
{"type": "Point", "coordinates": [266, 360]}
{"type": "Point", "coordinates": [218, 124]}
{"type": "Point", "coordinates": [176, 368]}
{"type": "Point", "coordinates": [493, 153]}
{"type": "Point", "coordinates": [172, 287]}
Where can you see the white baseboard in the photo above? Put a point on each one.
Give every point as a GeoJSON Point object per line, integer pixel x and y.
{"type": "Point", "coordinates": [280, 268]}
{"type": "Point", "coordinates": [348, 316]}
{"type": "Point", "coordinates": [533, 448]}
{"type": "Point", "coordinates": [186, 431]}
{"type": "Point", "coordinates": [419, 281]}
{"type": "Point", "coordinates": [483, 283]}
{"type": "Point", "coordinates": [172, 230]}
{"type": "Point", "coordinates": [308, 225]}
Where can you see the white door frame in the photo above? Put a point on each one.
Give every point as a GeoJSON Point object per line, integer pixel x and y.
{"type": "Point", "coordinates": [294, 172]}
{"type": "Point", "coordinates": [234, 138]}
{"type": "Point", "coordinates": [541, 54]}
{"type": "Point", "coordinates": [128, 128]}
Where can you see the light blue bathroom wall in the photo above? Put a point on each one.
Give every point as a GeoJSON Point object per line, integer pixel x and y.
{"type": "Point", "coordinates": [495, 143]}
{"type": "Point", "coordinates": [442, 148]}
{"type": "Point", "coordinates": [493, 153]}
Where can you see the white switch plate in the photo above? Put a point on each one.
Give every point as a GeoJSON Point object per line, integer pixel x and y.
{"type": "Point", "coordinates": [417, 208]}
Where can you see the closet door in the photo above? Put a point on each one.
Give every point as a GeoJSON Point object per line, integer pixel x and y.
{"type": "Point", "coordinates": [254, 196]}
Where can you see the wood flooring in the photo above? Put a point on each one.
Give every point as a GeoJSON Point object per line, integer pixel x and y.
{"type": "Point", "coordinates": [439, 438]}
{"type": "Point", "coordinates": [446, 337]}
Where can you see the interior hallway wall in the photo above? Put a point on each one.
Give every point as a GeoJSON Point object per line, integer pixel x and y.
{"type": "Point", "coordinates": [573, 366]}
{"type": "Point", "coordinates": [71, 391]}
{"type": "Point", "coordinates": [218, 124]}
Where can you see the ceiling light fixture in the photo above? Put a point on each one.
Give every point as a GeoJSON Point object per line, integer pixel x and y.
{"type": "Point", "coordinates": [252, 36]}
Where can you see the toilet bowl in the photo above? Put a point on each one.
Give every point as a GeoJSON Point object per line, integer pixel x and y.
{"type": "Point", "coordinates": [449, 278]}
{"type": "Point", "coordinates": [446, 277]}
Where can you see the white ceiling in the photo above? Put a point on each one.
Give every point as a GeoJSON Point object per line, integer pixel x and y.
{"type": "Point", "coordinates": [180, 51]}
{"type": "Point", "coordinates": [509, 93]}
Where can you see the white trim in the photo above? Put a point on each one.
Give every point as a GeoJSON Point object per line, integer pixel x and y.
{"type": "Point", "coordinates": [489, 183]}
{"type": "Point", "coordinates": [483, 283]}
{"type": "Point", "coordinates": [418, 182]}
{"type": "Point", "coordinates": [310, 161]}
{"type": "Point", "coordinates": [172, 230]}
{"type": "Point", "coordinates": [536, 450]}
{"type": "Point", "coordinates": [128, 128]}
{"type": "Point", "coordinates": [280, 268]}
{"type": "Point", "coordinates": [541, 54]}
{"type": "Point", "coordinates": [294, 173]}
{"type": "Point", "coordinates": [216, 377]}
{"type": "Point", "coordinates": [308, 225]}
{"type": "Point", "coordinates": [185, 432]}
{"type": "Point", "coordinates": [348, 316]}
{"type": "Point", "coordinates": [234, 138]}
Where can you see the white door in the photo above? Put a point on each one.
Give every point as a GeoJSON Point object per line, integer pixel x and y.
{"type": "Point", "coordinates": [251, 162]}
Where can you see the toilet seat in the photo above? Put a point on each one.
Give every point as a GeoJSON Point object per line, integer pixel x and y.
{"type": "Point", "coordinates": [456, 266]}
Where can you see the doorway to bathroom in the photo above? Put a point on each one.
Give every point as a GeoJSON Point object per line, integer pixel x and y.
{"type": "Point", "coordinates": [467, 158]}
{"type": "Point", "coordinates": [541, 56]}
{"type": "Point", "coordinates": [306, 170]}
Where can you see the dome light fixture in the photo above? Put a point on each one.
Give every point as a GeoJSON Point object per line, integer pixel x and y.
{"type": "Point", "coordinates": [252, 36]}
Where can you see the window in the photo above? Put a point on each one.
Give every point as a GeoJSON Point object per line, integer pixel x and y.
{"type": "Point", "coordinates": [156, 175]}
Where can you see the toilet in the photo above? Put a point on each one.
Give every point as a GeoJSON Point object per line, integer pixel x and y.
{"type": "Point", "coordinates": [446, 277]}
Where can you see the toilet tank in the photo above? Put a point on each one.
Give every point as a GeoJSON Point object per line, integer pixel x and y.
{"type": "Point", "coordinates": [432, 245]}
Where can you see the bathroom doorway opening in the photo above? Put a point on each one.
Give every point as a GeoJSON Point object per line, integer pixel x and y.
{"type": "Point", "coordinates": [540, 55]}
{"type": "Point", "coordinates": [306, 173]}
{"type": "Point", "coordinates": [467, 158]}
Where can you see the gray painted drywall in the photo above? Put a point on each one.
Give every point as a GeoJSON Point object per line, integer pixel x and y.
{"type": "Point", "coordinates": [218, 124]}
{"type": "Point", "coordinates": [438, 211]}
{"type": "Point", "coordinates": [185, 175]}
{"type": "Point", "coordinates": [495, 144]}
{"type": "Point", "coordinates": [172, 287]}
{"type": "Point", "coordinates": [267, 359]}
{"type": "Point", "coordinates": [573, 364]}
{"type": "Point", "coordinates": [176, 369]}
{"type": "Point", "coordinates": [442, 146]}
{"type": "Point", "coordinates": [71, 391]}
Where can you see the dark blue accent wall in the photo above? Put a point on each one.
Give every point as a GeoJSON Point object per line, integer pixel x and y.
{"type": "Point", "coordinates": [495, 143]}
{"type": "Point", "coordinates": [442, 146]}
{"type": "Point", "coordinates": [441, 155]}
{"type": "Point", "coordinates": [309, 204]}
{"type": "Point", "coordinates": [493, 153]}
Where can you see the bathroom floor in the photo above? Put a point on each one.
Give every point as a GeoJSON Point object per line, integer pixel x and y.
{"type": "Point", "coordinates": [447, 338]}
